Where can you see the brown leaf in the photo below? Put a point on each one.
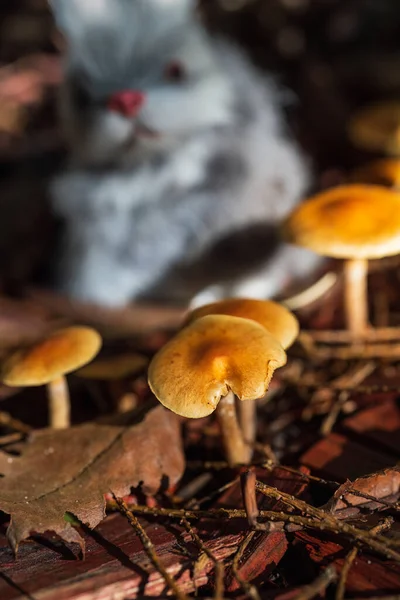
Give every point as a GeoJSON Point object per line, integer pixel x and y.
{"type": "Point", "coordinates": [365, 493]}
{"type": "Point", "coordinates": [71, 470]}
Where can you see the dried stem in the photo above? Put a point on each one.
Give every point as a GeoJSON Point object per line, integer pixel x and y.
{"type": "Point", "coordinates": [352, 555]}
{"type": "Point", "coordinates": [218, 565]}
{"type": "Point", "coordinates": [342, 336]}
{"type": "Point", "coordinates": [355, 299]}
{"type": "Point", "coordinates": [348, 561]}
{"type": "Point", "coordinates": [250, 590]}
{"type": "Point", "coordinates": [327, 521]}
{"type": "Point", "coordinates": [149, 549]}
{"type": "Point", "coordinates": [59, 403]}
{"type": "Point", "coordinates": [281, 521]}
{"type": "Point", "coordinates": [248, 481]}
{"type": "Point", "coordinates": [360, 350]}
{"type": "Point", "coordinates": [235, 448]}
{"type": "Point", "coordinates": [9, 421]}
{"type": "Point", "coordinates": [312, 293]}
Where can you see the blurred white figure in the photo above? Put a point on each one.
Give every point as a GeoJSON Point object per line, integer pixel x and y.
{"type": "Point", "coordinates": [180, 165]}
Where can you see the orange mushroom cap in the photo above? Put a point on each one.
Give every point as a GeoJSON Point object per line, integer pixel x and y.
{"type": "Point", "coordinates": [114, 367]}
{"type": "Point", "coordinates": [211, 356]}
{"type": "Point", "coordinates": [350, 221]}
{"type": "Point", "coordinates": [377, 128]}
{"type": "Point", "coordinates": [60, 353]}
{"type": "Point", "coordinates": [277, 319]}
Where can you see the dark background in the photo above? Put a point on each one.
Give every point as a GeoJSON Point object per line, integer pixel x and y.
{"type": "Point", "coordinates": [332, 55]}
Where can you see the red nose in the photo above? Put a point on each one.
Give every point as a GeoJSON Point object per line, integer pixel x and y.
{"type": "Point", "coordinates": [127, 103]}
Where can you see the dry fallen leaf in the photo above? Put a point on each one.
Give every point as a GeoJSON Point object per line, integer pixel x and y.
{"type": "Point", "coordinates": [365, 492]}
{"type": "Point", "coordinates": [71, 470]}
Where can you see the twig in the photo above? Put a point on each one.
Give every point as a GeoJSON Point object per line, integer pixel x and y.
{"type": "Point", "coordinates": [182, 513]}
{"type": "Point", "coordinates": [248, 483]}
{"type": "Point", "coordinates": [348, 561]}
{"type": "Point", "coordinates": [149, 548]}
{"type": "Point", "coordinates": [327, 521]}
{"type": "Point", "coordinates": [12, 438]}
{"type": "Point", "coordinates": [248, 589]}
{"type": "Point", "coordinates": [218, 565]}
{"type": "Point", "coordinates": [305, 476]}
{"type": "Point", "coordinates": [319, 585]}
{"type": "Point", "coordinates": [198, 502]}
{"type": "Point", "coordinates": [312, 293]}
{"type": "Point", "coordinates": [331, 418]}
{"type": "Point", "coordinates": [281, 521]}
{"type": "Point", "coordinates": [8, 421]}
{"type": "Point", "coordinates": [359, 350]}
{"type": "Point", "coordinates": [351, 556]}
{"type": "Point", "coordinates": [122, 322]}
{"type": "Point", "coordinates": [343, 336]}
{"type": "Point", "coordinates": [353, 377]}
{"type": "Point", "coordinates": [187, 492]}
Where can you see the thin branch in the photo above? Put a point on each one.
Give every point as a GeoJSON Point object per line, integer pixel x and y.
{"type": "Point", "coordinates": [149, 548]}
{"type": "Point", "coordinates": [328, 522]}
{"type": "Point", "coordinates": [218, 565]}
{"type": "Point", "coordinates": [248, 589]}
{"type": "Point", "coordinates": [8, 420]}
{"type": "Point", "coordinates": [352, 555]}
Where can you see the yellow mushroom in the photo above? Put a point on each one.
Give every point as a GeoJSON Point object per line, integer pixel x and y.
{"type": "Point", "coordinates": [277, 319]}
{"type": "Point", "coordinates": [353, 222]}
{"type": "Point", "coordinates": [216, 357]}
{"type": "Point", "coordinates": [47, 363]}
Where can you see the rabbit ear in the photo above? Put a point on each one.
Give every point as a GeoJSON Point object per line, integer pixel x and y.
{"type": "Point", "coordinates": [73, 15]}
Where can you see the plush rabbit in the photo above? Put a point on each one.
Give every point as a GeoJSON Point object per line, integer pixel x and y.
{"type": "Point", "coordinates": [180, 165]}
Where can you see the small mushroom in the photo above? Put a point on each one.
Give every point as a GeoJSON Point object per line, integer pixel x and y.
{"type": "Point", "coordinates": [377, 128]}
{"type": "Point", "coordinates": [277, 319]}
{"type": "Point", "coordinates": [47, 363]}
{"type": "Point", "coordinates": [114, 367]}
{"type": "Point", "coordinates": [115, 370]}
{"type": "Point", "coordinates": [380, 172]}
{"type": "Point", "coordinates": [204, 365]}
{"type": "Point", "coordinates": [353, 222]}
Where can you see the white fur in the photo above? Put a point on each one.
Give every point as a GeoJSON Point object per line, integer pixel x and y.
{"type": "Point", "coordinates": [141, 212]}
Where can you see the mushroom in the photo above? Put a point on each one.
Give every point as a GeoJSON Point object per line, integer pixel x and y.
{"type": "Point", "coordinates": [377, 128]}
{"type": "Point", "coordinates": [381, 172]}
{"type": "Point", "coordinates": [114, 370]}
{"type": "Point", "coordinates": [277, 319]}
{"type": "Point", "coordinates": [353, 222]}
{"type": "Point", "coordinates": [47, 363]}
{"type": "Point", "coordinates": [214, 358]}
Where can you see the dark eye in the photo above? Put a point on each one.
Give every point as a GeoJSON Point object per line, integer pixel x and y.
{"type": "Point", "coordinates": [175, 71]}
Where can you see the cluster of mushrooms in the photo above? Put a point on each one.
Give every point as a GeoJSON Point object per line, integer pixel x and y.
{"type": "Point", "coordinates": [223, 360]}
{"type": "Point", "coordinates": [225, 355]}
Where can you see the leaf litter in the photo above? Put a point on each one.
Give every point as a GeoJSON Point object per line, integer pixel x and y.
{"type": "Point", "coordinates": [71, 471]}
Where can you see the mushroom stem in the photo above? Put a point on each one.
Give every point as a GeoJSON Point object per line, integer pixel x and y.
{"type": "Point", "coordinates": [248, 422]}
{"type": "Point", "coordinates": [59, 403]}
{"type": "Point", "coordinates": [355, 299]}
{"type": "Point", "coordinates": [235, 448]}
